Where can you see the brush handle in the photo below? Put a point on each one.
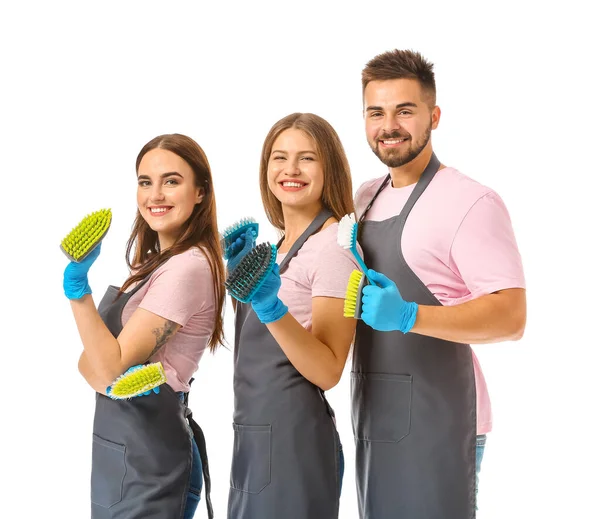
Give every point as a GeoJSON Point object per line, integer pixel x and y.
{"type": "Point", "coordinates": [361, 264]}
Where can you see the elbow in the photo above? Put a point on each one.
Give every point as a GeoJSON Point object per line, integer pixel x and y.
{"type": "Point", "coordinates": [331, 379]}
{"type": "Point", "coordinates": [517, 329]}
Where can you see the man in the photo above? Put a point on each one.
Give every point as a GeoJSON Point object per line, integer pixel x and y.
{"type": "Point", "coordinates": [447, 274]}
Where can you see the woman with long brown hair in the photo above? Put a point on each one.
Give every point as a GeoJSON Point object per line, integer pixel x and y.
{"type": "Point", "coordinates": [292, 341]}
{"type": "Point", "coordinates": [148, 455]}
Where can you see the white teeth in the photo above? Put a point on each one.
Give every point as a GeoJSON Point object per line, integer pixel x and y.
{"type": "Point", "coordinates": [158, 209]}
{"type": "Point", "coordinates": [394, 141]}
{"type": "Point", "coordinates": [292, 184]}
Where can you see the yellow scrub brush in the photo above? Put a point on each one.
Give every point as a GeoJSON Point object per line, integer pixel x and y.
{"type": "Point", "coordinates": [136, 381]}
{"type": "Point", "coordinates": [352, 306]}
{"type": "Point", "coordinates": [88, 233]}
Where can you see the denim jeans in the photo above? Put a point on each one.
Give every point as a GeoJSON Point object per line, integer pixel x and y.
{"type": "Point", "coordinates": [479, 448]}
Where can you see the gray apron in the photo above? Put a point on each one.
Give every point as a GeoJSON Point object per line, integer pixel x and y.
{"type": "Point", "coordinates": [142, 449]}
{"type": "Point", "coordinates": [286, 447]}
{"type": "Point", "coordinates": [413, 398]}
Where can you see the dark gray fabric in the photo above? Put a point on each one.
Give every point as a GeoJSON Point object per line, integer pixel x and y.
{"type": "Point", "coordinates": [286, 447]}
{"type": "Point", "coordinates": [142, 448]}
{"type": "Point", "coordinates": [413, 400]}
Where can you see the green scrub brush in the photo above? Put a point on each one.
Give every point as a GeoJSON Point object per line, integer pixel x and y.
{"type": "Point", "coordinates": [137, 381]}
{"type": "Point", "coordinates": [233, 232]}
{"type": "Point", "coordinates": [352, 306]}
{"type": "Point", "coordinates": [245, 279]}
{"type": "Point", "coordinates": [86, 235]}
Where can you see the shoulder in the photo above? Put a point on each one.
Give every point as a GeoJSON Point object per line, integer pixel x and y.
{"type": "Point", "coordinates": [454, 192]}
{"type": "Point", "coordinates": [324, 247]}
{"type": "Point", "coordinates": [365, 192]}
{"type": "Point", "coordinates": [191, 263]}
{"type": "Point", "coordinates": [460, 184]}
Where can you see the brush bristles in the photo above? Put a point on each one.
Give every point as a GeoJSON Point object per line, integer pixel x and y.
{"type": "Point", "coordinates": [245, 280]}
{"type": "Point", "coordinates": [347, 227]}
{"type": "Point", "coordinates": [138, 381]}
{"type": "Point", "coordinates": [232, 233]}
{"type": "Point", "coordinates": [353, 290]}
{"type": "Point", "coordinates": [86, 235]}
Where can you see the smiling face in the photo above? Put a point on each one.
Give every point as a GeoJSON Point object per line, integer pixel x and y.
{"type": "Point", "coordinates": [166, 194]}
{"type": "Point", "coordinates": [295, 172]}
{"type": "Point", "coordinates": [398, 120]}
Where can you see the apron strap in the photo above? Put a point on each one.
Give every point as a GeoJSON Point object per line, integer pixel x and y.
{"type": "Point", "coordinates": [314, 226]}
{"type": "Point", "coordinates": [201, 443]}
{"type": "Point", "coordinates": [423, 182]}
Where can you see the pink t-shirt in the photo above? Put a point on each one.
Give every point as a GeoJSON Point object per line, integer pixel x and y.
{"type": "Point", "coordinates": [459, 241]}
{"type": "Point", "coordinates": [320, 268]}
{"type": "Point", "coordinates": [180, 290]}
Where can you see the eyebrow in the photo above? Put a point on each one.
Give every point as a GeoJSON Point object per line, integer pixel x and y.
{"type": "Point", "coordinates": [401, 105]}
{"type": "Point", "coordinates": [304, 151]}
{"type": "Point", "coordinates": [163, 175]}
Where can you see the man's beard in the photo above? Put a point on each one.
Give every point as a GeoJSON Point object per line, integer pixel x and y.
{"type": "Point", "coordinates": [394, 158]}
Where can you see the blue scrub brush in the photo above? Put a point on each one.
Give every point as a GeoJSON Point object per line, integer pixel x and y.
{"type": "Point", "coordinates": [249, 275]}
{"type": "Point", "coordinates": [346, 238]}
{"type": "Point", "coordinates": [234, 231]}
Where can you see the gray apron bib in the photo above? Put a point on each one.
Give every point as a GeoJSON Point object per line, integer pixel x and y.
{"type": "Point", "coordinates": [413, 398]}
{"type": "Point", "coordinates": [286, 447]}
{"type": "Point", "coordinates": [142, 449]}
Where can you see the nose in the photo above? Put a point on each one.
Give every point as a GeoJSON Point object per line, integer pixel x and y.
{"type": "Point", "coordinates": [157, 194]}
{"type": "Point", "coordinates": [292, 168]}
{"type": "Point", "coordinates": [390, 124]}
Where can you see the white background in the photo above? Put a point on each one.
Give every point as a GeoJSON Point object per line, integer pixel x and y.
{"type": "Point", "coordinates": [84, 85]}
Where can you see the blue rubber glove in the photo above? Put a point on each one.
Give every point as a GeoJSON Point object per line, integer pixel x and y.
{"type": "Point", "coordinates": [75, 280]}
{"type": "Point", "coordinates": [383, 308]}
{"type": "Point", "coordinates": [239, 248]}
{"type": "Point", "coordinates": [156, 389]}
{"type": "Point", "coordinates": [266, 303]}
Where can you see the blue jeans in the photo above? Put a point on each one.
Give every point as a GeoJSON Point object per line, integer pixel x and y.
{"type": "Point", "coordinates": [193, 497]}
{"type": "Point", "coordinates": [479, 448]}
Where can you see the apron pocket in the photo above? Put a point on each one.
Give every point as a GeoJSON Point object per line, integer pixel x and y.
{"type": "Point", "coordinates": [381, 405]}
{"type": "Point", "coordinates": [251, 466]}
{"type": "Point", "coordinates": [108, 472]}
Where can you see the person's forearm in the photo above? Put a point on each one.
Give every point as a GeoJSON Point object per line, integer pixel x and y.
{"type": "Point", "coordinates": [101, 348]}
{"type": "Point", "coordinates": [491, 318]}
{"type": "Point", "coordinates": [314, 360]}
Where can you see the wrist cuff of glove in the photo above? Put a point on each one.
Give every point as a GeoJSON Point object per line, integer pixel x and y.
{"type": "Point", "coordinates": [409, 317]}
{"type": "Point", "coordinates": [271, 313]}
{"type": "Point", "coordinates": [76, 290]}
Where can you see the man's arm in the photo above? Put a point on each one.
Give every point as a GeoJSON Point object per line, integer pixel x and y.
{"type": "Point", "coordinates": [495, 317]}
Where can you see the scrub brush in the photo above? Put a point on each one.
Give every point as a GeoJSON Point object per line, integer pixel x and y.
{"type": "Point", "coordinates": [346, 238]}
{"type": "Point", "coordinates": [88, 233]}
{"type": "Point", "coordinates": [245, 279]}
{"type": "Point", "coordinates": [352, 306]}
{"type": "Point", "coordinates": [233, 232]}
{"type": "Point", "coordinates": [137, 381]}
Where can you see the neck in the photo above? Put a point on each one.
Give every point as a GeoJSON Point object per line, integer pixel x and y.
{"type": "Point", "coordinates": [165, 242]}
{"type": "Point", "coordinates": [297, 221]}
{"type": "Point", "coordinates": [410, 172]}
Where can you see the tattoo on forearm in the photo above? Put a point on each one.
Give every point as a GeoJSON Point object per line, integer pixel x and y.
{"type": "Point", "coordinates": [163, 335]}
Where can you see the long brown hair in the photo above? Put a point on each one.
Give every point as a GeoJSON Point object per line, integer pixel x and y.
{"type": "Point", "coordinates": [200, 230]}
{"type": "Point", "coordinates": [337, 182]}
